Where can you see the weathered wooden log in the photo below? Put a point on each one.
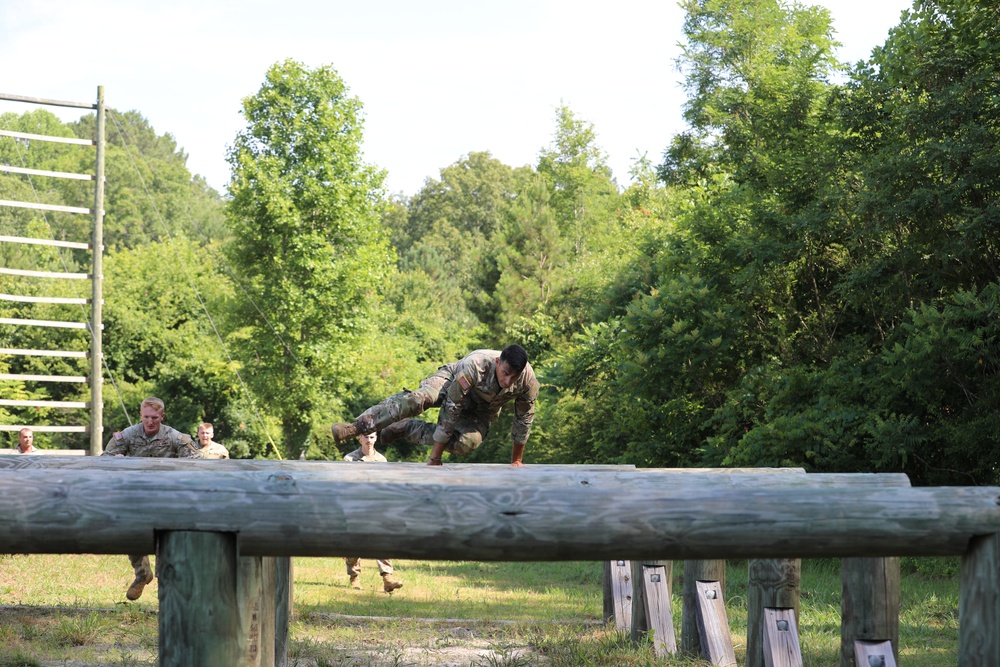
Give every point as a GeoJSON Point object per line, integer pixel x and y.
{"type": "Point", "coordinates": [460, 474]}
{"type": "Point", "coordinates": [505, 517]}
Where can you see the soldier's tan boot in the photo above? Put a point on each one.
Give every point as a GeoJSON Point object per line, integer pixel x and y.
{"type": "Point", "coordinates": [134, 591]}
{"type": "Point", "coordinates": [355, 581]}
{"type": "Point", "coordinates": [343, 431]}
{"type": "Point", "coordinates": [389, 584]}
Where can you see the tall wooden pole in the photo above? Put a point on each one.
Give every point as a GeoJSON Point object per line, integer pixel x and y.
{"type": "Point", "coordinates": [97, 290]}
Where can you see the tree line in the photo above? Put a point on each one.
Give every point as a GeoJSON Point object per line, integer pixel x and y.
{"type": "Point", "coordinates": [808, 275]}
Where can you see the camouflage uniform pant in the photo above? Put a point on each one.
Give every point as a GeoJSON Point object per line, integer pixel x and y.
{"type": "Point", "coordinates": [395, 413]}
{"type": "Point", "coordinates": [354, 566]}
{"type": "Point", "coordinates": [140, 564]}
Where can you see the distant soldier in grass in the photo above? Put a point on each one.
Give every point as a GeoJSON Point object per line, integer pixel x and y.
{"type": "Point", "coordinates": [368, 454]}
{"type": "Point", "coordinates": [209, 449]}
{"type": "Point", "coordinates": [150, 438]}
{"type": "Point", "coordinates": [26, 442]}
{"type": "Point", "coordinates": [470, 392]}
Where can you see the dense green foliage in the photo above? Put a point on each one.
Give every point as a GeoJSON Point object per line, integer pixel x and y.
{"type": "Point", "coordinates": [809, 277]}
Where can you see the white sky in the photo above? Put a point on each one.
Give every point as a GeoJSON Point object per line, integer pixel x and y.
{"type": "Point", "coordinates": [438, 78]}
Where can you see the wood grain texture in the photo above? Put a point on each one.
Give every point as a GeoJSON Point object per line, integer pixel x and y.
{"type": "Point", "coordinates": [869, 607]}
{"type": "Point", "coordinates": [639, 622]}
{"type": "Point", "coordinates": [620, 577]}
{"type": "Point", "coordinates": [780, 632]}
{"type": "Point", "coordinates": [501, 517]}
{"type": "Point", "coordinates": [878, 654]}
{"type": "Point", "coordinates": [696, 571]}
{"type": "Point", "coordinates": [198, 618]}
{"type": "Point", "coordinates": [655, 584]}
{"type": "Point", "coordinates": [713, 625]}
{"type": "Point", "coordinates": [979, 604]}
{"type": "Point", "coordinates": [775, 584]}
{"type": "Point", "coordinates": [249, 602]}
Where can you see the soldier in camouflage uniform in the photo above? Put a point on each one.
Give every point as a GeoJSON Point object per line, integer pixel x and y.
{"type": "Point", "coordinates": [470, 393]}
{"type": "Point", "coordinates": [150, 438]}
{"type": "Point", "coordinates": [368, 454]}
{"type": "Point", "coordinates": [209, 448]}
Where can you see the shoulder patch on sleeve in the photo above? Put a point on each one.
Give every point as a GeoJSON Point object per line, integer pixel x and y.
{"type": "Point", "coordinates": [464, 383]}
{"type": "Point", "coordinates": [118, 435]}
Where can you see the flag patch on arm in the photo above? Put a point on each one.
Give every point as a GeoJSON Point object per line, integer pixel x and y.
{"type": "Point", "coordinates": [118, 435]}
{"type": "Point", "coordinates": [464, 383]}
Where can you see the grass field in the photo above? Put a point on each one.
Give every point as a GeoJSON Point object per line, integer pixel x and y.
{"type": "Point", "coordinates": [70, 611]}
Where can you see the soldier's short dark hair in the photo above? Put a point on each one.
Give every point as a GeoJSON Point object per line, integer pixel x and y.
{"type": "Point", "coordinates": [515, 356]}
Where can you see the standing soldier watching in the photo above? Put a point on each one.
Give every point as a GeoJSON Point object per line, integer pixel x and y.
{"type": "Point", "coordinates": [150, 438]}
{"type": "Point", "coordinates": [368, 454]}
{"type": "Point", "coordinates": [209, 449]}
{"type": "Point", "coordinates": [25, 442]}
{"type": "Point", "coordinates": [470, 392]}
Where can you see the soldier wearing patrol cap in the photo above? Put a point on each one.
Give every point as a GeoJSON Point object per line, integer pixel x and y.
{"type": "Point", "coordinates": [470, 393]}
{"type": "Point", "coordinates": [150, 438]}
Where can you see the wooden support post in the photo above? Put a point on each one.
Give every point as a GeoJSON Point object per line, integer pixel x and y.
{"type": "Point", "coordinates": [869, 605]}
{"type": "Point", "coordinates": [874, 654]}
{"type": "Point", "coordinates": [713, 625]}
{"type": "Point", "coordinates": [608, 596]}
{"type": "Point", "coordinates": [781, 638]}
{"type": "Point", "coordinates": [695, 571]}
{"type": "Point", "coordinates": [199, 620]}
{"type": "Point", "coordinates": [640, 624]}
{"type": "Point", "coordinates": [249, 606]}
{"type": "Point", "coordinates": [268, 594]}
{"type": "Point", "coordinates": [979, 603]}
{"type": "Point", "coordinates": [776, 584]}
{"type": "Point", "coordinates": [282, 608]}
{"type": "Point", "coordinates": [655, 584]}
{"type": "Point", "coordinates": [618, 594]}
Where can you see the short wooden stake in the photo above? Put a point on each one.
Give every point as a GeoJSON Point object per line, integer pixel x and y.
{"type": "Point", "coordinates": [282, 608]}
{"type": "Point", "coordinates": [873, 654]}
{"type": "Point", "coordinates": [249, 598]}
{"type": "Point", "coordinates": [640, 623]}
{"type": "Point", "coordinates": [695, 571]}
{"type": "Point", "coordinates": [267, 610]}
{"type": "Point", "coordinates": [198, 619]}
{"type": "Point", "coordinates": [781, 638]}
{"type": "Point", "coordinates": [713, 626]}
{"type": "Point", "coordinates": [656, 593]}
{"type": "Point", "coordinates": [619, 578]}
{"type": "Point", "coordinates": [775, 584]}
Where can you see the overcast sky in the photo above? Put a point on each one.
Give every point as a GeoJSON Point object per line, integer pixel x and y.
{"type": "Point", "coordinates": [438, 78]}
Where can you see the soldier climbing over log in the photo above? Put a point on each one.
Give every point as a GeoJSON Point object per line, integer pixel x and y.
{"type": "Point", "coordinates": [470, 393]}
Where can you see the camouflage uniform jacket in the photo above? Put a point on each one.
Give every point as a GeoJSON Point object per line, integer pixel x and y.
{"type": "Point", "coordinates": [358, 455]}
{"type": "Point", "coordinates": [166, 443]}
{"type": "Point", "coordinates": [474, 390]}
{"type": "Point", "coordinates": [213, 450]}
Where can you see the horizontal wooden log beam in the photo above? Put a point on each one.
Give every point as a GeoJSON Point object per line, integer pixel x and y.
{"type": "Point", "coordinates": [466, 474]}
{"type": "Point", "coordinates": [508, 515]}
